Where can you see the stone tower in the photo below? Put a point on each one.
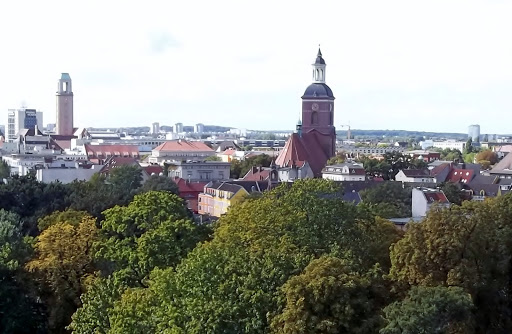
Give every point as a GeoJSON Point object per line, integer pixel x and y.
{"type": "Point", "coordinates": [64, 118]}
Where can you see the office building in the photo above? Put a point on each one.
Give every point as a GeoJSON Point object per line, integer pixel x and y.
{"type": "Point", "coordinates": [474, 132]}
{"type": "Point", "coordinates": [199, 128]}
{"type": "Point", "coordinates": [19, 119]}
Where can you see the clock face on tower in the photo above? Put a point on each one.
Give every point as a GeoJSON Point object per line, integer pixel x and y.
{"type": "Point", "coordinates": [315, 107]}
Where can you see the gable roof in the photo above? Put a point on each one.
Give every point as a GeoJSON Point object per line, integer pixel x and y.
{"type": "Point", "coordinates": [183, 146]}
{"type": "Point", "coordinates": [186, 187]}
{"type": "Point", "coordinates": [416, 172]}
{"type": "Point", "coordinates": [114, 162]}
{"type": "Point", "coordinates": [257, 174]}
{"type": "Point", "coordinates": [435, 196]}
{"type": "Point", "coordinates": [301, 149]}
{"type": "Point", "coordinates": [460, 175]}
{"type": "Point", "coordinates": [505, 165]}
{"type": "Point", "coordinates": [153, 169]}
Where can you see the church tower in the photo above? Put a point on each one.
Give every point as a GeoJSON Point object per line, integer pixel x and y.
{"type": "Point", "coordinates": [318, 109]}
{"type": "Point", "coordinates": [64, 106]}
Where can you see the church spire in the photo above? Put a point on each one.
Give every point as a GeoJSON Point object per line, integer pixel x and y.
{"type": "Point", "coordinates": [319, 68]}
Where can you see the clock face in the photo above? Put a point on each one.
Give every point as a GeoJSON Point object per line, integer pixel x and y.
{"type": "Point", "coordinates": [314, 107]}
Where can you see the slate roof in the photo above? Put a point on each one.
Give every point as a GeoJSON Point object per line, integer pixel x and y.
{"type": "Point", "coordinates": [318, 90]}
{"type": "Point", "coordinates": [416, 172]}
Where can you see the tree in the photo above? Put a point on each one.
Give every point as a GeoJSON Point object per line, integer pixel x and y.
{"type": "Point", "coordinates": [389, 200]}
{"type": "Point", "coordinates": [20, 312]}
{"type": "Point", "coordinates": [430, 310]}
{"type": "Point", "coordinates": [330, 296]}
{"type": "Point", "coordinates": [469, 146]}
{"type": "Point", "coordinates": [154, 230]}
{"type": "Point", "coordinates": [240, 168]}
{"type": "Point", "coordinates": [160, 183]}
{"type": "Point", "coordinates": [467, 246]}
{"type": "Point", "coordinates": [337, 159]}
{"type": "Point", "coordinates": [453, 192]}
{"type": "Point", "coordinates": [69, 216]}
{"type": "Point", "coordinates": [213, 158]}
{"type": "Point", "coordinates": [63, 265]}
{"type": "Point", "coordinates": [236, 279]}
{"type": "Point", "coordinates": [5, 170]}
{"type": "Point", "coordinates": [487, 155]}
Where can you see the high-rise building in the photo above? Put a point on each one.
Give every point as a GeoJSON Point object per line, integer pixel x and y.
{"type": "Point", "coordinates": [199, 128]}
{"type": "Point", "coordinates": [155, 128]}
{"type": "Point", "coordinates": [19, 119]}
{"type": "Point", "coordinates": [64, 118]}
{"type": "Point", "coordinates": [474, 132]}
{"type": "Point", "coordinates": [178, 128]}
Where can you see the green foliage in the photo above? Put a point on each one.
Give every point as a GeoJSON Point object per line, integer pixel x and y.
{"type": "Point", "coordinates": [453, 192]}
{"type": "Point", "coordinates": [388, 200]}
{"type": "Point", "coordinates": [69, 216]}
{"type": "Point", "coordinates": [330, 296]}
{"type": "Point", "coordinates": [152, 231]}
{"type": "Point", "coordinates": [213, 158]}
{"type": "Point", "coordinates": [430, 310]}
{"type": "Point", "coordinates": [390, 165]}
{"type": "Point", "coordinates": [5, 170]}
{"type": "Point", "coordinates": [31, 200]}
{"type": "Point", "coordinates": [233, 283]}
{"type": "Point", "coordinates": [160, 183]}
{"type": "Point", "coordinates": [20, 312]}
{"type": "Point", "coordinates": [63, 266]}
{"type": "Point", "coordinates": [240, 168]}
{"type": "Point", "coordinates": [469, 146]}
{"type": "Point", "coordinates": [467, 246]}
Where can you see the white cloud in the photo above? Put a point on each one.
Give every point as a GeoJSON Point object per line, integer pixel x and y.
{"type": "Point", "coordinates": [247, 63]}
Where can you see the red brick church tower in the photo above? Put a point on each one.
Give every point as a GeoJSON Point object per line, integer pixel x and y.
{"type": "Point", "coordinates": [315, 140]}
{"type": "Point", "coordinates": [318, 109]}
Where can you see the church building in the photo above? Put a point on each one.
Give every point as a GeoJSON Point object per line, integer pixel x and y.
{"type": "Point", "coordinates": [307, 150]}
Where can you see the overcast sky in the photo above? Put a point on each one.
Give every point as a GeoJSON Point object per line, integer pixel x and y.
{"type": "Point", "coordinates": [414, 65]}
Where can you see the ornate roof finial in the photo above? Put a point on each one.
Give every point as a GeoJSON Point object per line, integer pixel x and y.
{"type": "Point", "coordinates": [319, 52]}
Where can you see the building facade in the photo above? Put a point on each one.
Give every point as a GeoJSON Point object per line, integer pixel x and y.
{"type": "Point", "coordinates": [180, 150]}
{"type": "Point", "coordinates": [474, 132]}
{"type": "Point", "coordinates": [19, 119]}
{"type": "Point", "coordinates": [200, 171]}
{"type": "Point", "coordinates": [64, 126]}
{"type": "Point", "coordinates": [348, 171]}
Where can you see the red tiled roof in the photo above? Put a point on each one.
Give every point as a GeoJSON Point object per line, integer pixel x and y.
{"type": "Point", "coordinates": [460, 175]}
{"type": "Point", "coordinates": [438, 169]}
{"type": "Point", "coordinates": [301, 149]}
{"type": "Point", "coordinates": [153, 169]}
{"type": "Point", "coordinates": [257, 174]}
{"type": "Point", "coordinates": [436, 197]}
{"type": "Point", "coordinates": [95, 151]}
{"type": "Point", "coordinates": [186, 187]}
{"type": "Point", "coordinates": [229, 151]}
{"type": "Point", "coordinates": [183, 146]}
{"type": "Point", "coordinates": [64, 144]}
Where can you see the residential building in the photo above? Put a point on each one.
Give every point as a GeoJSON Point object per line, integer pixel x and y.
{"type": "Point", "coordinates": [178, 128]}
{"type": "Point", "coordinates": [199, 128]}
{"type": "Point", "coordinates": [155, 128]}
{"type": "Point", "coordinates": [427, 156]}
{"type": "Point", "coordinates": [64, 125]}
{"type": "Point", "coordinates": [371, 150]}
{"type": "Point", "coordinates": [474, 132]}
{"type": "Point", "coordinates": [19, 119]}
{"type": "Point", "coordinates": [348, 171]}
{"type": "Point", "coordinates": [67, 174]}
{"type": "Point", "coordinates": [190, 191]}
{"type": "Point", "coordinates": [450, 144]}
{"type": "Point", "coordinates": [200, 170]}
{"type": "Point", "coordinates": [424, 198]}
{"type": "Point", "coordinates": [217, 197]}
{"type": "Point", "coordinates": [415, 176]}
{"type": "Point", "coordinates": [180, 150]}
{"type": "Point", "coordinates": [100, 153]}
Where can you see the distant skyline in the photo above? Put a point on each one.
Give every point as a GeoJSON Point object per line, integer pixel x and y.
{"type": "Point", "coordinates": [423, 66]}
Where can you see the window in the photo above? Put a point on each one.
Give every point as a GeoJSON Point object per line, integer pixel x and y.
{"type": "Point", "coordinates": [314, 118]}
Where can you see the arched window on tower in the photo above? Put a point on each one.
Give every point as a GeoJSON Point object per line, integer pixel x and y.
{"type": "Point", "coordinates": [317, 74]}
{"type": "Point", "coordinates": [314, 118]}
{"type": "Point", "coordinates": [321, 74]}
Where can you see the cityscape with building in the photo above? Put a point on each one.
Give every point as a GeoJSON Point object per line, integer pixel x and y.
{"type": "Point", "coordinates": [316, 225]}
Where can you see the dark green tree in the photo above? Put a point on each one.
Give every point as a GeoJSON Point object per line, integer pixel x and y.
{"type": "Point", "coordinates": [389, 200]}
{"type": "Point", "coordinates": [430, 310]}
{"type": "Point", "coordinates": [160, 183]}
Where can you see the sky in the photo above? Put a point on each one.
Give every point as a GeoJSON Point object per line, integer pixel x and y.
{"type": "Point", "coordinates": [412, 65]}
